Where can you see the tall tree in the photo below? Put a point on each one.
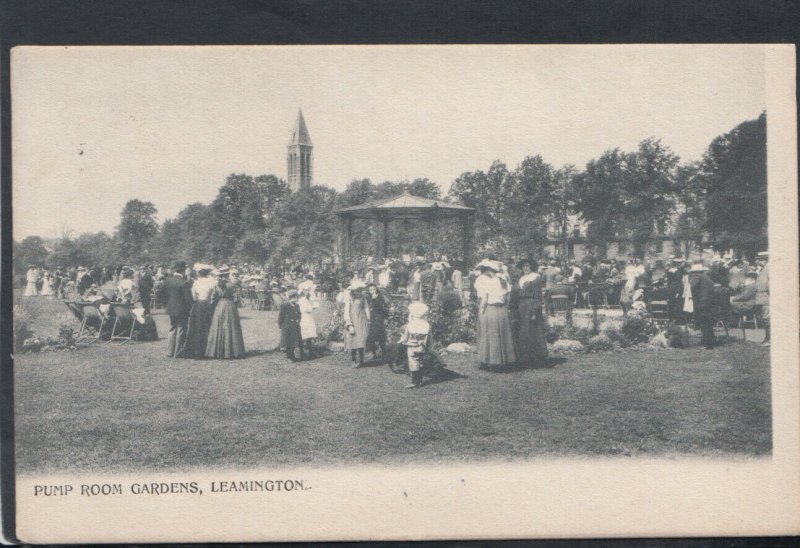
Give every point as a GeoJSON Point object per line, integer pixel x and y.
{"type": "Point", "coordinates": [529, 202]}
{"type": "Point", "coordinates": [31, 250]}
{"type": "Point", "coordinates": [136, 231]}
{"type": "Point", "coordinates": [628, 195]}
{"type": "Point", "coordinates": [238, 207]}
{"type": "Point", "coordinates": [733, 177]}
{"type": "Point", "coordinates": [485, 192]}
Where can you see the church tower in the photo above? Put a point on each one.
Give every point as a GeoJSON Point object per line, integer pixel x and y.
{"type": "Point", "coordinates": [300, 156]}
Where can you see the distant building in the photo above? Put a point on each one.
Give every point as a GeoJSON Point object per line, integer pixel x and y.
{"type": "Point", "coordinates": [300, 156]}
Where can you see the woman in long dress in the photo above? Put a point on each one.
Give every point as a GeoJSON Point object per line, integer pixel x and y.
{"type": "Point", "coordinates": [356, 319]}
{"type": "Point", "coordinates": [377, 322]}
{"type": "Point", "coordinates": [47, 285]}
{"type": "Point", "coordinates": [201, 314]}
{"type": "Point", "coordinates": [531, 338]}
{"type": "Point", "coordinates": [31, 278]}
{"type": "Point", "coordinates": [495, 338]}
{"type": "Point", "coordinates": [225, 339]}
{"type": "Point", "coordinates": [308, 325]}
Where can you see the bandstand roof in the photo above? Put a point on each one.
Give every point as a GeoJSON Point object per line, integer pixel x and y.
{"type": "Point", "coordinates": [405, 206]}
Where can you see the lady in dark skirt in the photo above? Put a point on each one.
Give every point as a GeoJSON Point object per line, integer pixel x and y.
{"type": "Point", "coordinates": [201, 314]}
{"type": "Point", "coordinates": [225, 339]}
{"type": "Point", "coordinates": [377, 321]}
{"type": "Point", "coordinates": [530, 330]}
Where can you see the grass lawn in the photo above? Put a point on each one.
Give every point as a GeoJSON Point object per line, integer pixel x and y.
{"type": "Point", "coordinates": [115, 408]}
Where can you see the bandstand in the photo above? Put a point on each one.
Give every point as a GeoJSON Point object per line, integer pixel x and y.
{"type": "Point", "coordinates": [405, 207]}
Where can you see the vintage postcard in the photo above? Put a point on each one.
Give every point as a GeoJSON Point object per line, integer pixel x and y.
{"type": "Point", "coordinates": [405, 292]}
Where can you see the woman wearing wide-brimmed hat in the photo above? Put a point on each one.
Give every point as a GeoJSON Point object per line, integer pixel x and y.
{"type": "Point", "coordinates": [531, 338]}
{"type": "Point", "coordinates": [202, 312]}
{"type": "Point", "coordinates": [225, 339]}
{"type": "Point", "coordinates": [356, 319]}
{"type": "Point", "coordinates": [31, 279]}
{"type": "Point", "coordinates": [495, 338]}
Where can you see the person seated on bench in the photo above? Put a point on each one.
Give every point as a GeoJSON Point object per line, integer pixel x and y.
{"type": "Point", "coordinates": [744, 301]}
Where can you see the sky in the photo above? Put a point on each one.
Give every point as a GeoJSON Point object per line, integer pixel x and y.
{"type": "Point", "coordinates": [93, 127]}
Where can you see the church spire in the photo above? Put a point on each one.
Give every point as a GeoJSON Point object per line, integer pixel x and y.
{"type": "Point", "coordinates": [300, 157]}
{"type": "Point", "coordinates": [300, 134]}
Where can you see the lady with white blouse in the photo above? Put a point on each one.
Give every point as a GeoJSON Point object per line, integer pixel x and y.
{"type": "Point", "coordinates": [495, 338]}
{"type": "Point", "coordinates": [202, 313]}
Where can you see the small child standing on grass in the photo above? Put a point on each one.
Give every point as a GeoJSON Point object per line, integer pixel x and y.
{"type": "Point", "coordinates": [416, 339]}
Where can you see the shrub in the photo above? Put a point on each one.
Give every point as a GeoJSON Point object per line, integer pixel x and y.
{"type": "Point", "coordinates": [449, 325]}
{"type": "Point", "coordinates": [599, 343]}
{"type": "Point", "coordinates": [637, 328]}
{"type": "Point", "coordinates": [568, 346]}
{"type": "Point", "coordinates": [554, 332]}
{"type": "Point", "coordinates": [24, 316]}
{"type": "Point", "coordinates": [677, 336]}
{"type": "Point", "coordinates": [581, 334]}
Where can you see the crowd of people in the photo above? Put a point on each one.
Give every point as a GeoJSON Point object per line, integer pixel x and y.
{"type": "Point", "coordinates": [513, 298]}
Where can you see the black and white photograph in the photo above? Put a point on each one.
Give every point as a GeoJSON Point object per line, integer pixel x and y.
{"type": "Point", "coordinates": [327, 257]}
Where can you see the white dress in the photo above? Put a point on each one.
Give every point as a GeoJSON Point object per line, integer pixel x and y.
{"type": "Point", "coordinates": [308, 325]}
{"type": "Point", "coordinates": [31, 278]}
{"type": "Point", "coordinates": [47, 286]}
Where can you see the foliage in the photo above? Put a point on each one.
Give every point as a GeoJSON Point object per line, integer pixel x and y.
{"type": "Point", "coordinates": [450, 325]}
{"type": "Point", "coordinates": [733, 179]}
{"type": "Point", "coordinates": [485, 192]}
{"type": "Point", "coordinates": [599, 343]}
{"type": "Point", "coordinates": [636, 328]}
{"type": "Point", "coordinates": [581, 334]}
{"type": "Point", "coordinates": [137, 231]}
{"type": "Point", "coordinates": [31, 250]}
{"type": "Point", "coordinates": [628, 194]}
{"type": "Point", "coordinates": [24, 318]}
{"type": "Point", "coordinates": [302, 230]}
{"type": "Point", "coordinates": [631, 195]}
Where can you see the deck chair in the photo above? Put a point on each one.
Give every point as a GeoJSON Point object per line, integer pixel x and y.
{"type": "Point", "coordinates": [155, 300]}
{"type": "Point", "coordinates": [124, 322]}
{"type": "Point", "coordinates": [252, 296]}
{"type": "Point", "coordinates": [559, 304]}
{"type": "Point", "coordinates": [263, 300]}
{"type": "Point", "coordinates": [91, 324]}
{"type": "Point", "coordinates": [659, 310]}
{"type": "Point", "coordinates": [745, 318]}
{"type": "Point", "coordinates": [75, 309]}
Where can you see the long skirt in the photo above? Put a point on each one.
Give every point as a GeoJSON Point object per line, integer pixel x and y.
{"type": "Point", "coordinates": [359, 338]}
{"type": "Point", "coordinates": [531, 337]}
{"type": "Point", "coordinates": [225, 339]}
{"type": "Point", "coordinates": [31, 290]}
{"type": "Point", "coordinates": [197, 332]}
{"type": "Point", "coordinates": [308, 326]}
{"type": "Point", "coordinates": [495, 339]}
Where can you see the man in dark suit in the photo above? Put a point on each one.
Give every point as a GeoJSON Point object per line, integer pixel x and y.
{"type": "Point", "coordinates": [289, 323]}
{"type": "Point", "coordinates": [146, 283]}
{"type": "Point", "coordinates": [704, 303]}
{"type": "Point", "coordinates": [178, 297]}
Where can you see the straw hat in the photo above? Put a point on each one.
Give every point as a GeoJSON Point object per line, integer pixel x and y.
{"type": "Point", "coordinates": [417, 309]}
{"type": "Point", "coordinates": [357, 284]}
{"type": "Point", "coordinates": [419, 327]}
{"type": "Point", "coordinates": [490, 264]}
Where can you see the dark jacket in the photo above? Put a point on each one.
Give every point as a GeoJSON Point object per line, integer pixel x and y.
{"type": "Point", "coordinates": [177, 293]}
{"type": "Point", "coordinates": [702, 295]}
{"type": "Point", "coordinates": [289, 322]}
{"type": "Point", "coordinates": [146, 283]}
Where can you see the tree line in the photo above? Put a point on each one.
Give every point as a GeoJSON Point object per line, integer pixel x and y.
{"type": "Point", "coordinates": [621, 195]}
